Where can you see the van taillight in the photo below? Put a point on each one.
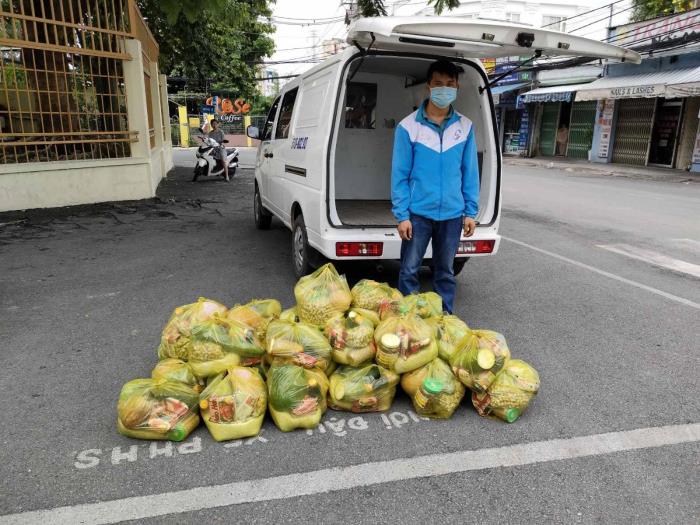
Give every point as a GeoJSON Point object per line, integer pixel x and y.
{"type": "Point", "coordinates": [476, 246]}
{"type": "Point", "coordinates": [359, 249]}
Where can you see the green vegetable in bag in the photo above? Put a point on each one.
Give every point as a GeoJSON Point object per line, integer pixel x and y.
{"type": "Point", "coordinates": [369, 388]}
{"type": "Point", "coordinates": [434, 390]}
{"type": "Point", "coordinates": [370, 295]}
{"type": "Point", "coordinates": [297, 343]}
{"type": "Point", "coordinates": [297, 396]}
{"type": "Point", "coordinates": [449, 331]}
{"type": "Point", "coordinates": [478, 358]}
{"type": "Point", "coordinates": [425, 305]}
{"type": "Point", "coordinates": [175, 340]}
{"type": "Point", "coordinates": [510, 392]}
{"type": "Point", "coordinates": [352, 338]}
{"type": "Point", "coordinates": [322, 295]}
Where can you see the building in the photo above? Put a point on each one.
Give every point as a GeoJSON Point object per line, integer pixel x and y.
{"type": "Point", "coordinates": [332, 46]}
{"type": "Point", "coordinates": [83, 108]}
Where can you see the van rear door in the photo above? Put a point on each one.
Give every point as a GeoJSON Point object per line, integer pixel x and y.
{"type": "Point", "coordinates": [476, 38]}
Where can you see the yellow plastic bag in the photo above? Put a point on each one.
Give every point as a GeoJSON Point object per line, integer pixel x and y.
{"type": "Point", "coordinates": [449, 331]}
{"type": "Point", "coordinates": [425, 305]}
{"type": "Point", "coordinates": [322, 295]}
{"type": "Point", "coordinates": [478, 358]}
{"type": "Point", "coordinates": [233, 405]}
{"type": "Point", "coordinates": [175, 340]}
{"type": "Point", "coordinates": [352, 338]}
{"type": "Point", "coordinates": [370, 295]}
{"type": "Point", "coordinates": [220, 343]}
{"type": "Point", "coordinates": [369, 388]}
{"type": "Point", "coordinates": [176, 370]}
{"type": "Point", "coordinates": [297, 343]}
{"type": "Point", "coordinates": [404, 343]}
{"type": "Point", "coordinates": [510, 393]}
{"type": "Point", "coordinates": [434, 390]}
{"type": "Point", "coordinates": [297, 396]}
{"type": "Point", "coordinates": [290, 314]}
{"type": "Point", "coordinates": [257, 314]}
{"type": "Point", "coordinates": [157, 409]}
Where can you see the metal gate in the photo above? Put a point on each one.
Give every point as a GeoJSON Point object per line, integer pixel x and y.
{"type": "Point", "coordinates": [581, 129]}
{"type": "Point", "coordinates": [635, 117]}
{"type": "Point", "coordinates": [548, 128]}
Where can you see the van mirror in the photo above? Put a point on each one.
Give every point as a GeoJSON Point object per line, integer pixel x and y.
{"type": "Point", "coordinates": [253, 132]}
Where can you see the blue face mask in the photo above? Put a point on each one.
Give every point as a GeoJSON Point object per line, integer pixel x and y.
{"type": "Point", "coordinates": [443, 96]}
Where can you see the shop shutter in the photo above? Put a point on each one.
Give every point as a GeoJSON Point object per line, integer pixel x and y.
{"type": "Point", "coordinates": [581, 129]}
{"type": "Point", "coordinates": [548, 128]}
{"type": "Point", "coordinates": [635, 117]}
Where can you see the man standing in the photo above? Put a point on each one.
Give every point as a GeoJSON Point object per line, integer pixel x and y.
{"type": "Point", "coordinates": [434, 183]}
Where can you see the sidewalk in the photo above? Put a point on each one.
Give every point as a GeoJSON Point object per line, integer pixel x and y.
{"type": "Point", "coordinates": [585, 167]}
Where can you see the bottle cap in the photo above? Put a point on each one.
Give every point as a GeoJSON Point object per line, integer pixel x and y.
{"type": "Point", "coordinates": [352, 314]}
{"type": "Point", "coordinates": [204, 404]}
{"type": "Point", "coordinates": [390, 341]}
{"type": "Point", "coordinates": [512, 414]}
{"type": "Point", "coordinates": [432, 386]}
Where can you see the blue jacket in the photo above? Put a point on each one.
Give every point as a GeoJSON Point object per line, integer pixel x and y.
{"type": "Point", "coordinates": [435, 171]}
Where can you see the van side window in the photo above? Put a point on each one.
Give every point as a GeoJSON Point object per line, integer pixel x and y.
{"type": "Point", "coordinates": [285, 119]}
{"type": "Point", "coordinates": [360, 105]}
{"type": "Point", "coordinates": [270, 122]}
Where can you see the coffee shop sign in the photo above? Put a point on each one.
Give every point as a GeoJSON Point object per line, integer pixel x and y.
{"type": "Point", "coordinates": [224, 106]}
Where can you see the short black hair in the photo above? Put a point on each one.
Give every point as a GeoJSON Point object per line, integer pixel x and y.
{"type": "Point", "coordinates": [215, 120]}
{"type": "Point", "coordinates": [442, 66]}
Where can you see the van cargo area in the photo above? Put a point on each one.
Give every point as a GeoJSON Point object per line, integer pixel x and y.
{"type": "Point", "coordinates": [384, 90]}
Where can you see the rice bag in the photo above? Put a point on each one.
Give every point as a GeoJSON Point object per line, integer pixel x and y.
{"type": "Point", "coordinates": [257, 314]}
{"type": "Point", "coordinates": [233, 405]}
{"type": "Point", "coordinates": [220, 343]}
{"type": "Point", "coordinates": [510, 392]}
{"type": "Point", "coordinates": [404, 343]}
{"type": "Point", "coordinates": [369, 388]}
{"type": "Point", "coordinates": [478, 358]}
{"type": "Point", "coordinates": [449, 330]}
{"type": "Point", "coordinates": [297, 343]}
{"type": "Point", "coordinates": [175, 340]}
{"type": "Point", "coordinates": [176, 370]}
{"type": "Point", "coordinates": [297, 396]}
{"type": "Point", "coordinates": [352, 338]}
{"type": "Point", "coordinates": [157, 409]}
{"type": "Point", "coordinates": [370, 295]}
{"type": "Point", "coordinates": [322, 295]}
{"type": "Point", "coordinates": [434, 390]}
{"type": "Point", "coordinates": [425, 305]}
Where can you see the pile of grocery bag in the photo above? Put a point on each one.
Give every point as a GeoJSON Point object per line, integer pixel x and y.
{"type": "Point", "coordinates": [339, 348]}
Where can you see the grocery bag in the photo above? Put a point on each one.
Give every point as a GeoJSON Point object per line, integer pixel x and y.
{"type": "Point", "coordinates": [478, 358]}
{"type": "Point", "coordinates": [175, 340]}
{"type": "Point", "coordinates": [157, 409]}
{"type": "Point", "coordinates": [370, 295]}
{"type": "Point", "coordinates": [257, 314]}
{"type": "Point", "coordinates": [322, 295]}
{"type": "Point", "coordinates": [368, 388]}
{"type": "Point", "coordinates": [351, 337]}
{"type": "Point", "coordinates": [404, 343]}
{"type": "Point", "coordinates": [297, 396]}
{"type": "Point", "coordinates": [297, 343]}
{"type": "Point", "coordinates": [176, 370]}
{"type": "Point", "coordinates": [434, 390]}
{"type": "Point", "coordinates": [233, 405]}
{"type": "Point", "coordinates": [449, 330]}
{"type": "Point", "coordinates": [425, 305]}
{"type": "Point", "coordinates": [220, 343]}
{"type": "Point", "coordinates": [510, 392]}
{"type": "Point", "coordinates": [290, 314]}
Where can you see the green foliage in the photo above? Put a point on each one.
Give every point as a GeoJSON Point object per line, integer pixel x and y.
{"type": "Point", "coordinates": [654, 8]}
{"type": "Point", "coordinates": [214, 44]}
{"type": "Point", "coordinates": [261, 105]}
{"type": "Point", "coordinates": [441, 5]}
{"type": "Point", "coordinates": [378, 7]}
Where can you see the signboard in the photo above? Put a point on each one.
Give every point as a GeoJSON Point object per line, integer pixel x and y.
{"type": "Point", "coordinates": [645, 91]}
{"type": "Point", "coordinates": [696, 150]}
{"type": "Point", "coordinates": [606, 111]}
{"type": "Point", "coordinates": [524, 128]}
{"type": "Point", "coordinates": [224, 106]}
{"type": "Point", "coordinates": [664, 29]}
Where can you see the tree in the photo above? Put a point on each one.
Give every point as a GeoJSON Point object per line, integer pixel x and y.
{"type": "Point", "coordinates": [214, 46]}
{"type": "Point", "coordinates": [378, 8]}
{"type": "Point", "coordinates": [647, 9]}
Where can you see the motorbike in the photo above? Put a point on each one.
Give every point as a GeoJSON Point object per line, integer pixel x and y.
{"type": "Point", "coordinates": [209, 166]}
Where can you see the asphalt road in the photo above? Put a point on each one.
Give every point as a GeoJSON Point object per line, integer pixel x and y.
{"type": "Point", "coordinates": [85, 294]}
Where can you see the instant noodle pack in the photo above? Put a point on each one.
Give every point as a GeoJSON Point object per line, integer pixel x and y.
{"type": "Point", "coordinates": [338, 348]}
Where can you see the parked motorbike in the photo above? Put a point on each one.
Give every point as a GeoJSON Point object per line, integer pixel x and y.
{"type": "Point", "coordinates": [209, 166]}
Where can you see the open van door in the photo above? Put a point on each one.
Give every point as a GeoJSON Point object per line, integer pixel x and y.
{"type": "Point", "coordinates": [476, 38]}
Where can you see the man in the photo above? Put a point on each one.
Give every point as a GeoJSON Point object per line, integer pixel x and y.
{"type": "Point", "coordinates": [562, 139]}
{"type": "Point", "coordinates": [434, 183]}
{"type": "Point", "coordinates": [217, 134]}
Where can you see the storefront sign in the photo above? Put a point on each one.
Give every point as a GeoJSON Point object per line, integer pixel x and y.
{"type": "Point", "coordinates": [636, 92]}
{"type": "Point", "coordinates": [224, 106]}
{"type": "Point", "coordinates": [664, 29]}
{"type": "Point", "coordinates": [606, 111]}
{"type": "Point", "coordinates": [696, 150]}
{"type": "Point", "coordinates": [524, 128]}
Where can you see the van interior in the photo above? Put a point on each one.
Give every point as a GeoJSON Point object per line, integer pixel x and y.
{"type": "Point", "coordinates": [384, 90]}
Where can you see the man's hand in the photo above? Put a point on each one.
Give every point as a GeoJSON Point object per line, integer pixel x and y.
{"type": "Point", "coordinates": [469, 226]}
{"type": "Point", "coordinates": [405, 230]}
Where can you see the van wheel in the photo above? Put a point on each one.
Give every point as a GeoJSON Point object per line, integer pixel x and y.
{"type": "Point", "coordinates": [263, 218]}
{"type": "Point", "coordinates": [300, 248]}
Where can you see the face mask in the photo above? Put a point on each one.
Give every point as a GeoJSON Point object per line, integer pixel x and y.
{"type": "Point", "coordinates": [443, 96]}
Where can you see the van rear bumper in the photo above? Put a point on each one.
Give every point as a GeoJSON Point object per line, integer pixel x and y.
{"type": "Point", "coordinates": [391, 243]}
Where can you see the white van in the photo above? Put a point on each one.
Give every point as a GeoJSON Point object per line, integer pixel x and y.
{"type": "Point", "coordinates": [324, 164]}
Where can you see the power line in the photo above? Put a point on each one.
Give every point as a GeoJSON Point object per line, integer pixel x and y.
{"type": "Point", "coordinates": [581, 14]}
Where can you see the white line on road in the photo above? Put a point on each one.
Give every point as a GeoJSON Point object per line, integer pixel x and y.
{"type": "Point", "coordinates": [345, 478]}
{"type": "Point", "coordinates": [654, 258]}
{"type": "Point", "coordinates": [681, 300]}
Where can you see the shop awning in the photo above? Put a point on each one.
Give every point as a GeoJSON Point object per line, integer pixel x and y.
{"type": "Point", "coordinates": [497, 91]}
{"type": "Point", "coordinates": [646, 85]}
{"type": "Point", "coordinates": [551, 94]}
{"type": "Point", "coordinates": [688, 86]}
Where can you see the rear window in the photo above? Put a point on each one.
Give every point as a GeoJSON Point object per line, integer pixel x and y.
{"type": "Point", "coordinates": [284, 121]}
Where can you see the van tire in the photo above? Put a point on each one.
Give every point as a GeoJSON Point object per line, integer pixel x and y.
{"type": "Point", "coordinates": [263, 218]}
{"type": "Point", "coordinates": [300, 248]}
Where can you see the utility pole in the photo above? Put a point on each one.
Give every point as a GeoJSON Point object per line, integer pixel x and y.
{"type": "Point", "coordinates": [314, 34]}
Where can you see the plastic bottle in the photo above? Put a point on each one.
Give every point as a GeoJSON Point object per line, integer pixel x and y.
{"type": "Point", "coordinates": [427, 395]}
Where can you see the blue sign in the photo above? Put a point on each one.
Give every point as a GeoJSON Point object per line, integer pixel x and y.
{"type": "Point", "coordinates": [208, 109]}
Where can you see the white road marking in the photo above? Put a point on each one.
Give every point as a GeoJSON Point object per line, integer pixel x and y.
{"type": "Point", "coordinates": [366, 474]}
{"type": "Point", "coordinates": [689, 244]}
{"type": "Point", "coordinates": [670, 296]}
{"type": "Point", "coordinates": [654, 258]}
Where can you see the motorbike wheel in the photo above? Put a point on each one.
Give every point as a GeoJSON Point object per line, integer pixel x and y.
{"type": "Point", "coordinates": [232, 172]}
{"type": "Point", "coordinates": [196, 174]}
